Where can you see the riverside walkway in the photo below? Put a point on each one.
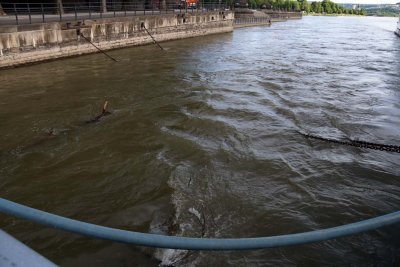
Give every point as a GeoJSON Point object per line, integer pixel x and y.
{"type": "Point", "coordinates": [22, 19]}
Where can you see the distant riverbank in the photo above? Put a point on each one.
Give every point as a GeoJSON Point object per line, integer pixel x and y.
{"type": "Point", "coordinates": [350, 15]}
{"type": "Point", "coordinates": [332, 15]}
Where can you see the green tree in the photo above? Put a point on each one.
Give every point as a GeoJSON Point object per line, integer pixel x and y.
{"type": "Point", "coordinates": [326, 4]}
{"type": "Point", "coordinates": [334, 8]}
{"type": "Point", "coordinates": [252, 3]}
{"type": "Point", "coordinates": [259, 3]}
{"type": "Point", "coordinates": [278, 4]}
{"type": "Point", "coordinates": [295, 6]}
{"type": "Point", "coordinates": [287, 5]}
{"type": "Point", "coordinates": [313, 7]}
{"type": "Point", "coordinates": [319, 8]}
{"type": "Point", "coordinates": [305, 6]}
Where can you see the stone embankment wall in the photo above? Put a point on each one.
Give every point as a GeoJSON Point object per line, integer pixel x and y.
{"type": "Point", "coordinates": [245, 17]}
{"type": "Point", "coordinates": [248, 18]}
{"type": "Point", "coordinates": [283, 15]}
{"type": "Point", "coordinates": [26, 44]}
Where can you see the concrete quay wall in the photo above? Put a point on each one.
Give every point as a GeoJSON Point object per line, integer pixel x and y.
{"type": "Point", "coordinates": [283, 15]}
{"type": "Point", "coordinates": [25, 44]}
{"type": "Point", "coordinates": [249, 18]}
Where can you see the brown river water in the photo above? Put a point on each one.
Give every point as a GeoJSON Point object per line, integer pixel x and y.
{"type": "Point", "coordinates": [203, 141]}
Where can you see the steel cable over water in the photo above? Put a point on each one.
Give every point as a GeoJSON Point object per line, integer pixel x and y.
{"type": "Point", "coordinates": [87, 39]}
{"type": "Point", "coordinates": [154, 40]}
{"type": "Point", "coordinates": [188, 243]}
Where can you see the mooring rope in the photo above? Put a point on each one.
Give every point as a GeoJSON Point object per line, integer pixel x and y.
{"type": "Point", "coordinates": [87, 39]}
{"type": "Point", "coordinates": [154, 40]}
{"type": "Point", "coordinates": [189, 243]}
{"type": "Point", "coordinates": [356, 143]}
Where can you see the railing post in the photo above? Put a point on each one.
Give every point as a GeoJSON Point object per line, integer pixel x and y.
{"type": "Point", "coordinates": [60, 7]}
{"type": "Point", "coordinates": [41, 6]}
{"type": "Point", "coordinates": [114, 8]}
{"type": "Point", "coordinates": [90, 11]}
{"type": "Point", "coordinates": [29, 14]}
{"type": "Point", "coordinates": [76, 15]}
{"type": "Point", "coordinates": [60, 10]}
{"type": "Point", "coordinates": [103, 5]}
{"type": "Point", "coordinates": [16, 14]}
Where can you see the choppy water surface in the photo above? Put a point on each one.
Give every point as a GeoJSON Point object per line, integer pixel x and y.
{"type": "Point", "coordinates": [208, 129]}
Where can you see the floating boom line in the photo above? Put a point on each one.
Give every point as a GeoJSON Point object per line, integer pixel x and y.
{"type": "Point", "coordinates": [356, 143]}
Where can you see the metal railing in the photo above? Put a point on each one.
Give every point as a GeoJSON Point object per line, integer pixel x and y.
{"type": "Point", "coordinates": [190, 243]}
{"type": "Point", "coordinates": [30, 13]}
{"type": "Point", "coordinates": [251, 21]}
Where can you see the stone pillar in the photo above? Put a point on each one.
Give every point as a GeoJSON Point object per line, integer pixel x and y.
{"type": "Point", "coordinates": [60, 7]}
{"type": "Point", "coordinates": [103, 5]}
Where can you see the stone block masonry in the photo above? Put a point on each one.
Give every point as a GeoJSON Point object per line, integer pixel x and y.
{"type": "Point", "coordinates": [25, 44]}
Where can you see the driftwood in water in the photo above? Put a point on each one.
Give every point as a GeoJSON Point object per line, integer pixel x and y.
{"type": "Point", "coordinates": [52, 134]}
{"type": "Point", "coordinates": [49, 136]}
{"type": "Point", "coordinates": [103, 113]}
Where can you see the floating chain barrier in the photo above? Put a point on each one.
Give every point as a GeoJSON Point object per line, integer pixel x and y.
{"type": "Point", "coordinates": [356, 143]}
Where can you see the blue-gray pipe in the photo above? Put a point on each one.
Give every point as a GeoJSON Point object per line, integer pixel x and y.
{"type": "Point", "coordinates": [187, 243]}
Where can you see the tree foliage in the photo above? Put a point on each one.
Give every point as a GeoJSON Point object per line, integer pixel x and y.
{"type": "Point", "coordinates": [324, 7]}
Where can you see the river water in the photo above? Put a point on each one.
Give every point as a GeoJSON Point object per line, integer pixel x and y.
{"type": "Point", "coordinates": [203, 141]}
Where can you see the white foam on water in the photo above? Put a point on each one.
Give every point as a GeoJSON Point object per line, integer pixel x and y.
{"type": "Point", "coordinates": [195, 212]}
{"type": "Point", "coordinates": [187, 216]}
{"type": "Point", "coordinates": [170, 257]}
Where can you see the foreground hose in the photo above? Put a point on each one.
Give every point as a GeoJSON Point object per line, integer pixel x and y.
{"type": "Point", "coordinates": [161, 241]}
